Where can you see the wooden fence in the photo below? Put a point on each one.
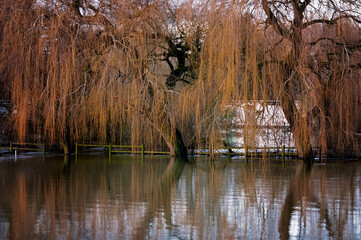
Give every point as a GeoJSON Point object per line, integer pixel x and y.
{"type": "Point", "coordinates": [236, 151]}
{"type": "Point", "coordinates": [230, 151]}
{"type": "Point", "coordinates": [120, 149]}
{"type": "Point", "coordinates": [37, 147]}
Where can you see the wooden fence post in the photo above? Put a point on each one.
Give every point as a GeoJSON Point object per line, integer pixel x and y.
{"type": "Point", "coordinates": [11, 146]}
{"type": "Point", "coordinates": [283, 155]}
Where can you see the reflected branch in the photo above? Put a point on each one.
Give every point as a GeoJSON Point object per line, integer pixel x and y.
{"type": "Point", "coordinates": [296, 191]}
{"type": "Point", "coordinates": [163, 187]}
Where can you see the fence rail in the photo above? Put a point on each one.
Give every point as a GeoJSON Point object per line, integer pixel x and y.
{"type": "Point", "coordinates": [112, 148]}
{"type": "Point", "coordinates": [281, 151]}
{"type": "Point", "coordinates": [120, 149]}
{"type": "Point", "coordinates": [25, 147]}
{"type": "Point", "coordinates": [247, 151]}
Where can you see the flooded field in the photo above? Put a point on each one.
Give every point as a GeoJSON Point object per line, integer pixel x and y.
{"type": "Point", "coordinates": [130, 197]}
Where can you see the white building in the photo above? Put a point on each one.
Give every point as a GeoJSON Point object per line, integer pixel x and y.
{"type": "Point", "coordinates": [259, 124]}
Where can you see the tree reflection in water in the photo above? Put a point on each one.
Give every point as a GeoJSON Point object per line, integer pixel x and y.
{"type": "Point", "coordinates": [163, 198]}
{"type": "Point", "coordinates": [304, 199]}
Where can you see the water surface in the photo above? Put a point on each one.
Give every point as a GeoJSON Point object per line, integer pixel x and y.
{"type": "Point", "coordinates": [161, 198]}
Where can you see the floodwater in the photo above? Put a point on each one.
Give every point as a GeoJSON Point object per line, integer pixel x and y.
{"type": "Point", "coordinates": [162, 198]}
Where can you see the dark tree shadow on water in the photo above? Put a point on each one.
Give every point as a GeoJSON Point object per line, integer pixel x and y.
{"type": "Point", "coordinates": [300, 191]}
{"type": "Point", "coordinates": [161, 198]}
{"type": "Point", "coordinates": [298, 188]}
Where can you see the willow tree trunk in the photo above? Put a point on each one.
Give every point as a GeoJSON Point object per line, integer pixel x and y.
{"type": "Point", "coordinates": [299, 131]}
{"type": "Point", "coordinates": [180, 150]}
{"type": "Point", "coordinates": [66, 141]}
{"type": "Point", "coordinates": [296, 118]}
{"type": "Point", "coordinates": [292, 31]}
{"type": "Point", "coordinates": [174, 141]}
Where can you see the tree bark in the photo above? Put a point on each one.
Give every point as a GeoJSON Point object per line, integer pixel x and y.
{"type": "Point", "coordinates": [66, 147]}
{"type": "Point", "coordinates": [290, 75]}
{"type": "Point", "coordinates": [300, 136]}
{"type": "Point", "coordinates": [174, 141]}
{"type": "Point", "coordinates": [66, 141]}
{"type": "Point", "coordinates": [180, 150]}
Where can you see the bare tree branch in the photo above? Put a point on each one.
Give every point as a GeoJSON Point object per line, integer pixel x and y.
{"type": "Point", "coordinates": [274, 21]}
{"type": "Point", "coordinates": [330, 22]}
{"type": "Point", "coordinates": [350, 46]}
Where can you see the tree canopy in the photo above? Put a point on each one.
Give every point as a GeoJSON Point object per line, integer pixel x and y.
{"type": "Point", "coordinates": [162, 72]}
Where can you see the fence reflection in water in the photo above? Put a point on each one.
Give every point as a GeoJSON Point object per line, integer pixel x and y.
{"type": "Point", "coordinates": [163, 198]}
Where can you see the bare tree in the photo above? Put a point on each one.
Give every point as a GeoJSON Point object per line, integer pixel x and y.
{"type": "Point", "coordinates": [294, 22]}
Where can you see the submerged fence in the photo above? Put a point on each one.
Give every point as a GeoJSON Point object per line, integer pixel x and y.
{"type": "Point", "coordinates": [36, 147]}
{"type": "Point", "coordinates": [283, 152]}
{"type": "Point", "coordinates": [120, 149]}
{"type": "Point", "coordinates": [233, 151]}
{"type": "Point", "coordinates": [248, 152]}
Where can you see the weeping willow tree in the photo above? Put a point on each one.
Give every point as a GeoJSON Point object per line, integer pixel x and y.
{"type": "Point", "coordinates": [314, 45]}
{"type": "Point", "coordinates": [79, 70]}
{"type": "Point", "coordinates": [119, 71]}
